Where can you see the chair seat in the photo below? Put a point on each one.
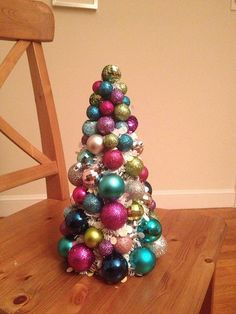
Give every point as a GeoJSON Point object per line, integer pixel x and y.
{"type": "Point", "coordinates": [33, 277]}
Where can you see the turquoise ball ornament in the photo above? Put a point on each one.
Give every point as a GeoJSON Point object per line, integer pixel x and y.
{"type": "Point", "coordinates": [143, 260]}
{"type": "Point", "coordinates": [125, 142]}
{"type": "Point", "coordinates": [151, 229]}
{"type": "Point", "coordinates": [105, 89]}
{"type": "Point", "coordinates": [93, 113]}
{"type": "Point", "coordinates": [111, 186]}
{"type": "Point", "coordinates": [92, 204]}
{"type": "Point", "coordinates": [126, 101]}
{"type": "Point", "coordinates": [89, 128]}
{"type": "Point", "coordinates": [64, 245]}
{"type": "Point", "coordinates": [85, 156]}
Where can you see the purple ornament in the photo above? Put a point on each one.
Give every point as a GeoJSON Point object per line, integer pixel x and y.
{"type": "Point", "coordinates": [114, 215]}
{"type": "Point", "coordinates": [105, 125]}
{"type": "Point", "coordinates": [96, 86]}
{"type": "Point", "coordinates": [153, 205]}
{"type": "Point", "coordinates": [106, 108]}
{"type": "Point", "coordinates": [80, 257]}
{"type": "Point", "coordinates": [132, 124]}
{"type": "Point", "coordinates": [116, 96]}
{"type": "Point", "coordinates": [105, 248]}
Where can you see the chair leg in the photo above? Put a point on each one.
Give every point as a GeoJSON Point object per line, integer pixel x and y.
{"type": "Point", "coordinates": [207, 306]}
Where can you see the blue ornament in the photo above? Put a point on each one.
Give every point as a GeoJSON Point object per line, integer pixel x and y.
{"type": "Point", "coordinates": [151, 229]}
{"type": "Point", "coordinates": [143, 260]}
{"type": "Point", "coordinates": [63, 246]}
{"type": "Point", "coordinates": [92, 204]}
{"type": "Point", "coordinates": [85, 156]}
{"type": "Point", "coordinates": [105, 89]}
{"type": "Point", "coordinates": [89, 127]}
{"type": "Point", "coordinates": [126, 100]}
{"type": "Point", "coordinates": [93, 113]}
{"type": "Point", "coordinates": [77, 221]}
{"type": "Point", "coordinates": [125, 142]}
{"type": "Point", "coordinates": [111, 186]}
{"type": "Point", "coordinates": [114, 268]}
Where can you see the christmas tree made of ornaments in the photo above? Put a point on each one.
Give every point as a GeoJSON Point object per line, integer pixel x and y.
{"type": "Point", "coordinates": [111, 229]}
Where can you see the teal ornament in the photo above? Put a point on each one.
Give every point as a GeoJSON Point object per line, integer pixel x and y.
{"type": "Point", "coordinates": [122, 124]}
{"type": "Point", "coordinates": [92, 204]}
{"type": "Point", "coordinates": [105, 89]}
{"type": "Point", "coordinates": [85, 156]}
{"type": "Point", "coordinates": [89, 128]}
{"type": "Point", "coordinates": [143, 260]}
{"type": "Point", "coordinates": [151, 229]}
{"type": "Point", "coordinates": [126, 100]}
{"type": "Point", "coordinates": [63, 246]}
{"type": "Point", "coordinates": [125, 143]}
{"type": "Point", "coordinates": [111, 186]}
{"type": "Point", "coordinates": [93, 113]}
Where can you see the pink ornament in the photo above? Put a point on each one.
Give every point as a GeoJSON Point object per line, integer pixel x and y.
{"type": "Point", "coordinates": [79, 194]}
{"type": "Point", "coordinates": [143, 174]}
{"type": "Point", "coordinates": [105, 248]}
{"type": "Point", "coordinates": [153, 205]}
{"type": "Point", "coordinates": [113, 159]}
{"type": "Point", "coordinates": [64, 229]}
{"type": "Point", "coordinates": [80, 257]}
{"type": "Point", "coordinates": [114, 215]}
{"type": "Point", "coordinates": [123, 245]}
{"type": "Point", "coordinates": [96, 86]}
{"type": "Point", "coordinates": [84, 139]}
{"type": "Point", "coordinates": [132, 124]}
{"type": "Point", "coordinates": [116, 96]}
{"type": "Point", "coordinates": [106, 108]}
{"type": "Point", "coordinates": [105, 125]}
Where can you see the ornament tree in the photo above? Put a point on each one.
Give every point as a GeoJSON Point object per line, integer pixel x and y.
{"type": "Point", "coordinates": [111, 229]}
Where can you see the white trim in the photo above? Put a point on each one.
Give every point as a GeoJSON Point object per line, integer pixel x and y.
{"type": "Point", "coordinates": [76, 4]}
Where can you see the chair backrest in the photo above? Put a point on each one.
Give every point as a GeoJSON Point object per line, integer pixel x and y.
{"type": "Point", "coordinates": [29, 23]}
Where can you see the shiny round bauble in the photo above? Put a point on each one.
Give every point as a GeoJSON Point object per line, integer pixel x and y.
{"type": "Point", "coordinates": [105, 248]}
{"type": "Point", "coordinates": [123, 245]}
{"type": "Point", "coordinates": [92, 204]}
{"type": "Point", "coordinates": [122, 112]}
{"type": "Point", "coordinates": [153, 205]}
{"type": "Point", "coordinates": [105, 89]}
{"type": "Point", "coordinates": [148, 187]}
{"type": "Point", "coordinates": [96, 86]}
{"type": "Point", "coordinates": [135, 211]}
{"type": "Point", "coordinates": [64, 230]}
{"type": "Point", "coordinates": [114, 268]}
{"type": "Point", "coordinates": [95, 144]}
{"type": "Point", "coordinates": [125, 143]}
{"type": "Point", "coordinates": [111, 73]}
{"type": "Point", "coordinates": [158, 247]}
{"type": "Point", "coordinates": [122, 126]}
{"type": "Point", "coordinates": [93, 237]}
{"type": "Point", "coordinates": [111, 186]}
{"type": "Point", "coordinates": [95, 99]}
{"type": "Point", "coordinates": [84, 139]}
{"type": "Point", "coordinates": [85, 156]}
{"type": "Point", "coordinates": [151, 229]}
{"type": "Point", "coordinates": [122, 86]}
{"type": "Point", "coordinates": [89, 128]}
{"type": "Point", "coordinates": [113, 215]}
{"type": "Point", "coordinates": [143, 260]}
{"type": "Point", "coordinates": [113, 159]}
{"type": "Point", "coordinates": [105, 125]}
{"type": "Point", "coordinates": [132, 124]}
{"type": "Point", "coordinates": [110, 140]}
{"type": "Point", "coordinates": [89, 178]}
{"type": "Point", "coordinates": [106, 108]}
{"type": "Point", "coordinates": [143, 174]}
{"type": "Point", "coordinates": [116, 96]}
{"type": "Point", "coordinates": [135, 189]}
{"type": "Point", "coordinates": [93, 113]}
{"type": "Point", "coordinates": [134, 166]}
{"type": "Point", "coordinates": [138, 147]}
{"type": "Point", "coordinates": [77, 221]}
{"type": "Point", "coordinates": [75, 175]}
{"type": "Point", "coordinates": [126, 101]}
{"type": "Point", "coordinates": [79, 194]}
{"type": "Point", "coordinates": [63, 246]}
{"type": "Point", "coordinates": [80, 257]}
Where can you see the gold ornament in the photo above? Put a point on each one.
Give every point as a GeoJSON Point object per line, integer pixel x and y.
{"type": "Point", "coordinates": [121, 86]}
{"type": "Point", "coordinates": [110, 141]}
{"type": "Point", "coordinates": [93, 237]}
{"type": "Point", "coordinates": [95, 99]}
{"type": "Point", "coordinates": [75, 175]}
{"type": "Point", "coordinates": [135, 211]}
{"type": "Point", "coordinates": [111, 73]}
{"type": "Point", "coordinates": [134, 166]}
{"type": "Point", "coordinates": [95, 144]}
{"type": "Point", "coordinates": [122, 112]}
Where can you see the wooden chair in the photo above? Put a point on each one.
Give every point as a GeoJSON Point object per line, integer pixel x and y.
{"type": "Point", "coordinates": [32, 277]}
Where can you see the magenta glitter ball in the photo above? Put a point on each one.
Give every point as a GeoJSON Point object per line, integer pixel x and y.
{"type": "Point", "coordinates": [105, 248]}
{"type": "Point", "coordinates": [106, 108]}
{"type": "Point", "coordinates": [132, 124]}
{"type": "Point", "coordinates": [143, 174]}
{"type": "Point", "coordinates": [79, 194]}
{"type": "Point", "coordinates": [105, 125]}
{"type": "Point", "coordinates": [80, 257]}
{"type": "Point", "coordinates": [96, 86]}
{"type": "Point", "coordinates": [116, 96]}
{"type": "Point", "coordinates": [64, 229]}
{"type": "Point", "coordinates": [113, 159]}
{"type": "Point", "coordinates": [114, 215]}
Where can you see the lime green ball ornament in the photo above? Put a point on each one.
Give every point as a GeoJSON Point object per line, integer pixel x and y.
{"type": "Point", "coordinates": [122, 112]}
{"type": "Point", "coordinates": [111, 186]}
{"type": "Point", "coordinates": [110, 141]}
{"type": "Point", "coordinates": [143, 260]}
{"type": "Point", "coordinates": [134, 166]}
{"type": "Point", "coordinates": [64, 245]}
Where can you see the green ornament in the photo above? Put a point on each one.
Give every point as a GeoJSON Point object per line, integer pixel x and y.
{"type": "Point", "coordinates": [111, 186]}
{"type": "Point", "coordinates": [95, 99]}
{"type": "Point", "coordinates": [110, 141]}
{"type": "Point", "coordinates": [64, 245]}
{"type": "Point", "coordinates": [151, 229]}
{"type": "Point", "coordinates": [134, 166]}
{"type": "Point", "coordinates": [111, 73]}
{"type": "Point", "coordinates": [122, 112]}
{"type": "Point", "coordinates": [143, 260]}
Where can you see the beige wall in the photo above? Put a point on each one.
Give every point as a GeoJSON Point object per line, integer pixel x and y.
{"type": "Point", "coordinates": [178, 59]}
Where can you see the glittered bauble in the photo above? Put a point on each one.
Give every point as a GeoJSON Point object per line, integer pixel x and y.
{"type": "Point", "coordinates": [95, 99]}
{"type": "Point", "coordinates": [135, 189]}
{"type": "Point", "coordinates": [138, 147]}
{"type": "Point", "coordinates": [93, 237]}
{"type": "Point", "coordinates": [111, 73]}
{"type": "Point", "coordinates": [125, 142]}
{"type": "Point", "coordinates": [89, 127]}
{"type": "Point", "coordinates": [75, 175]}
{"type": "Point", "coordinates": [126, 100]}
{"type": "Point", "coordinates": [79, 194]}
{"type": "Point", "coordinates": [151, 229]}
{"type": "Point", "coordinates": [135, 211]}
{"type": "Point", "coordinates": [158, 247]}
{"type": "Point", "coordinates": [93, 113]}
{"type": "Point", "coordinates": [106, 108]}
{"type": "Point", "coordinates": [134, 166]}
{"type": "Point", "coordinates": [114, 268]}
{"type": "Point", "coordinates": [113, 159]}
{"type": "Point", "coordinates": [122, 112]}
{"type": "Point", "coordinates": [77, 221]}
{"type": "Point", "coordinates": [89, 178]}
{"type": "Point", "coordinates": [143, 260]}
{"type": "Point", "coordinates": [122, 86]}
{"type": "Point", "coordinates": [92, 204]}
{"type": "Point", "coordinates": [113, 215]}
{"type": "Point", "coordinates": [116, 96]}
{"type": "Point", "coordinates": [148, 187]}
{"type": "Point", "coordinates": [111, 186]}
{"type": "Point", "coordinates": [63, 246]}
{"type": "Point", "coordinates": [110, 141]}
{"type": "Point", "coordinates": [105, 248]}
{"type": "Point", "coordinates": [85, 156]}
{"type": "Point", "coordinates": [64, 229]}
{"type": "Point", "coordinates": [123, 245]}
{"type": "Point", "coordinates": [143, 174]}
{"type": "Point", "coordinates": [80, 257]}
{"type": "Point", "coordinates": [105, 89]}
{"type": "Point", "coordinates": [96, 86]}
{"type": "Point", "coordinates": [132, 124]}
{"type": "Point", "coordinates": [105, 125]}
{"type": "Point", "coordinates": [95, 144]}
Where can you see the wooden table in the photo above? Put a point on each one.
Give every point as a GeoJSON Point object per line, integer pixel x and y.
{"type": "Point", "coordinates": [33, 278]}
